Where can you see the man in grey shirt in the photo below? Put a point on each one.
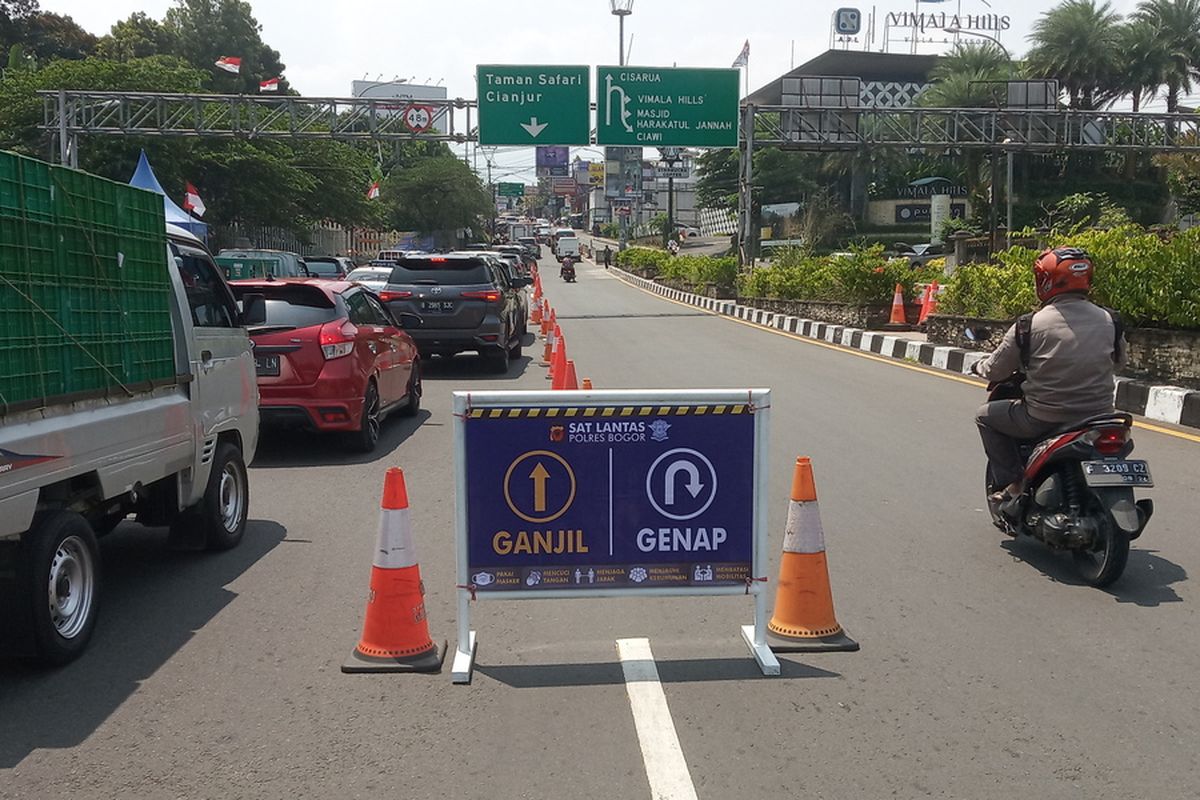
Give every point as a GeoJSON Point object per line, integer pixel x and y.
{"type": "Point", "coordinates": [1072, 351]}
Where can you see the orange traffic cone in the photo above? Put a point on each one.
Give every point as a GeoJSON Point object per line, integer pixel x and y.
{"type": "Point", "coordinates": [547, 354]}
{"type": "Point", "coordinates": [929, 305]}
{"type": "Point", "coordinates": [898, 320]}
{"type": "Point", "coordinates": [395, 634]}
{"type": "Point", "coordinates": [535, 316]}
{"type": "Point", "coordinates": [586, 385]}
{"type": "Point", "coordinates": [558, 361]}
{"type": "Point", "coordinates": [570, 381]}
{"type": "Point", "coordinates": [803, 620]}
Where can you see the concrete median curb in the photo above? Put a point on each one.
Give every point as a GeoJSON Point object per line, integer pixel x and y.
{"type": "Point", "coordinates": [1170, 404]}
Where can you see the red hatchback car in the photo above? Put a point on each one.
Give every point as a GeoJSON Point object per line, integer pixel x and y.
{"type": "Point", "coordinates": [331, 357]}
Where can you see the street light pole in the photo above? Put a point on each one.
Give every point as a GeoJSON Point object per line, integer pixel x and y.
{"type": "Point", "coordinates": [622, 9]}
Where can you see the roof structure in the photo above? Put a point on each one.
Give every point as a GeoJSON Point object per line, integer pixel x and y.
{"type": "Point", "coordinates": [870, 67]}
{"type": "Point", "coordinates": [144, 178]}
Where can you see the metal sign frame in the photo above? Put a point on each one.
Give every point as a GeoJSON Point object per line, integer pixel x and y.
{"type": "Point", "coordinates": [759, 403]}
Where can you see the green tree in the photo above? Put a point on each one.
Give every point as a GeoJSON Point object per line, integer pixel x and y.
{"type": "Point", "coordinates": [49, 36]}
{"type": "Point", "coordinates": [967, 77]}
{"type": "Point", "coordinates": [1176, 24]}
{"type": "Point", "coordinates": [1143, 61]}
{"type": "Point", "coordinates": [1077, 43]}
{"type": "Point", "coordinates": [13, 16]}
{"type": "Point", "coordinates": [139, 36]}
{"type": "Point", "coordinates": [209, 29]}
{"type": "Point", "coordinates": [435, 196]}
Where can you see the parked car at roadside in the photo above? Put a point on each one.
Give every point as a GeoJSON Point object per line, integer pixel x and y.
{"type": "Point", "coordinates": [332, 267]}
{"type": "Point", "coordinates": [467, 303]}
{"type": "Point", "coordinates": [331, 357]}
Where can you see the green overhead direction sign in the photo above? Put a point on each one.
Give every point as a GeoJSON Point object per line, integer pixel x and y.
{"type": "Point", "coordinates": [511, 189]}
{"type": "Point", "coordinates": [533, 104]}
{"type": "Point", "coordinates": [657, 107]}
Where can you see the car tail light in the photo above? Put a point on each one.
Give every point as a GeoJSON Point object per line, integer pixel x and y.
{"type": "Point", "coordinates": [1111, 441]}
{"type": "Point", "coordinates": [337, 340]}
{"type": "Point", "coordinates": [388, 297]}
{"type": "Point", "coordinates": [438, 260]}
{"type": "Point", "coordinates": [490, 296]}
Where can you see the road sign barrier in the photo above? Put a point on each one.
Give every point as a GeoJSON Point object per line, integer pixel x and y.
{"type": "Point", "coordinates": [666, 106]}
{"type": "Point", "coordinates": [533, 105]}
{"type": "Point", "coordinates": [614, 493]}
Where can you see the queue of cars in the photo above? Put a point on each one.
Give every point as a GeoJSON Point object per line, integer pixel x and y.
{"type": "Point", "coordinates": [342, 347]}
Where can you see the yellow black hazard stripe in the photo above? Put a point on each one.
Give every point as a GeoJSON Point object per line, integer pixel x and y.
{"type": "Point", "coordinates": [608, 412]}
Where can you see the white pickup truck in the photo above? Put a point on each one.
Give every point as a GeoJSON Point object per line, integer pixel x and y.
{"type": "Point", "coordinates": [173, 453]}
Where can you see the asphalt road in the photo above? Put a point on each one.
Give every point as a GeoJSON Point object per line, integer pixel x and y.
{"type": "Point", "coordinates": [986, 670]}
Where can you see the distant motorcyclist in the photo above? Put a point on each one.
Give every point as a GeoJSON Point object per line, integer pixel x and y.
{"type": "Point", "coordinates": [567, 263]}
{"type": "Point", "coordinates": [1068, 351]}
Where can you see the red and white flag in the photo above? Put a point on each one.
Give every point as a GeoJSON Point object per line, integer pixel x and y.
{"type": "Point", "coordinates": [230, 64]}
{"type": "Point", "coordinates": [373, 192]}
{"type": "Point", "coordinates": [192, 201]}
{"type": "Point", "coordinates": [269, 85]}
{"type": "Point", "coordinates": [743, 58]}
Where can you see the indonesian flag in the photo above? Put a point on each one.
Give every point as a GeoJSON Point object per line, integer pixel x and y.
{"type": "Point", "coordinates": [269, 85]}
{"type": "Point", "coordinates": [192, 201]}
{"type": "Point", "coordinates": [230, 64]}
{"type": "Point", "coordinates": [743, 58]}
{"type": "Point", "coordinates": [373, 192]}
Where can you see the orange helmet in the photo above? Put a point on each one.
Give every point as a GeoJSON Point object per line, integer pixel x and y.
{"type": "Point", "coordinates": [1066, 269]}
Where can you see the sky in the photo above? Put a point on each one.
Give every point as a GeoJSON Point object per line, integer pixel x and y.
{"type": "Point", "coordinates": [327, 45]}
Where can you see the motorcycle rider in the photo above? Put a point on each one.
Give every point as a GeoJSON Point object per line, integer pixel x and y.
{"type": "Point", "coordinates": [1068, 350]}
{"type": "Point", "coordinates": [567, 263]}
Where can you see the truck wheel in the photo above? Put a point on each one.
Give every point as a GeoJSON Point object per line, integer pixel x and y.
{"type": "Point", "coordinates": [220, 516]}
{"type": "Point", "coordinates": [61, 568]}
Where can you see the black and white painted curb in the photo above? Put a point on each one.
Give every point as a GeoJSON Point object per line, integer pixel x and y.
{"type": "Point", "coordinates": [1171, 404]}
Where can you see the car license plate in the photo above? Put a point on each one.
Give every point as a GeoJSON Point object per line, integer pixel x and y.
{"type": "Point", "coordinates": [267, 365]}
{"type": "Point", "coordinates": [437, 306]}
{"type": "Point", "coordinates": [1117, 473]}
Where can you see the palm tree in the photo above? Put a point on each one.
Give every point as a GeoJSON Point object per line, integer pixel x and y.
{"type": "Point", "coordinates": [1177, 31]}
{"type": "Point", "coordinates": [959, 80]}
{"type": "Point", "coordinates": [1077, 44]}
{"type": "Point", "coordinates": [1143, 61]}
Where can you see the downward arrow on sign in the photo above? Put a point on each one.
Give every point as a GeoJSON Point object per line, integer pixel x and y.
{"type": "Point", "coordinates": [532, 127]}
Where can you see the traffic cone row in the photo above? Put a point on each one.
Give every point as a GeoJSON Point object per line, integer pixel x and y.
{"type": "Point", "coordinates": [561, 370]}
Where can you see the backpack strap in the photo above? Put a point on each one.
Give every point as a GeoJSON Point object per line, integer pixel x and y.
{"type": "Point", "coordinates": [1024, 332]}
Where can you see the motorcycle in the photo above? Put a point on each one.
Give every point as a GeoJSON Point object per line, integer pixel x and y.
{"type": "Point", "coordinates": [567, 272]}
{"type": "Point", "coordinates": [1077, 493]}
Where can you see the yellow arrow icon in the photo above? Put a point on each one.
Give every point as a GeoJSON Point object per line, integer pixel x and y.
{"type": "Point", "coordinates": [539, 476]}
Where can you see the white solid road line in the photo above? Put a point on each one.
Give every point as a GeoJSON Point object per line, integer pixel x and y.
{"type": "Point", "coordinates": [665, 765]}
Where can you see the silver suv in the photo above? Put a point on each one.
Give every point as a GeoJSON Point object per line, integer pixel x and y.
{"type": "Point", "coordinates": [467, 301]}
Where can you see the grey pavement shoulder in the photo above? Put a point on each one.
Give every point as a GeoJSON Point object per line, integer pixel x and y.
{"type": "Point", "coordinates": [1171, 404]}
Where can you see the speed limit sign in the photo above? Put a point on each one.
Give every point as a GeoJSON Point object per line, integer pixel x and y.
{"type": "Point", "coordinates": [418, 119]}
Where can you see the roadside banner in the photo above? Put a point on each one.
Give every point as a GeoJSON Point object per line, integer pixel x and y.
{"type": "Point", "coordinates": [613, 493]}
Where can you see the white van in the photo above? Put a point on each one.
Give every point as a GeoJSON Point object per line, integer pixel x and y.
{"type": "Point", "coordinates": [567, 246]}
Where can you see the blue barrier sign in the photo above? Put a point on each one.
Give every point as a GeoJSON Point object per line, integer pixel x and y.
{"type": "Point", "coordinates": [610, 493]}
{"type": "Point", "coordinates": [614, 496]}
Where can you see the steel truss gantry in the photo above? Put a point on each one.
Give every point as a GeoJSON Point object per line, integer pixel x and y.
{"type": "Point", "coordinates": [67, 115]}
{"type": "Point", "coordinates": [1008, 130]}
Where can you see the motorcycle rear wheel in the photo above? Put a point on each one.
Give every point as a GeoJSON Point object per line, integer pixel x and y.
{"type": "Point", "coordinates": [1101, 565]}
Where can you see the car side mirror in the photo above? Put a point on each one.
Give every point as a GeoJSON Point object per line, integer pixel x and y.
{"type": "Point", "coordinates": [521, 283]}
{"type": "Point", "coordinates": [407, 319]}
{"type": "Point", "coordinates": [254, 309]}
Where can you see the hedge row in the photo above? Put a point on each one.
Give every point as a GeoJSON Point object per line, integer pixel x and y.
{"type": "Point", "coordinates": [863, 276]}
{"type": "Point", "coordinates": [696, 271]}
{"type": "Point", "coordinates": [1152, 281]}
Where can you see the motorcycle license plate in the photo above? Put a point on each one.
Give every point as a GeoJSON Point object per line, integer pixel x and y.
{"type": "Point", "coordinates": [1117, 473]}
{"type": "Point", "coordinates": [267, 366]}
